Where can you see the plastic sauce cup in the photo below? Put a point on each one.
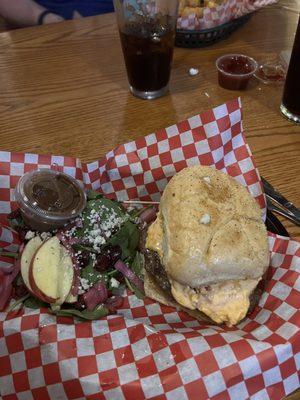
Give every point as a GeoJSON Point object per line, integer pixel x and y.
{"type": "Point", "coordinates": [235, 71]}
{"type": "Point", "coordinates": [49, 199]}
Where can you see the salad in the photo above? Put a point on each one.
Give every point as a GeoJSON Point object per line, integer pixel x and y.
{"type": "Point", "coordinates": [83, 268]}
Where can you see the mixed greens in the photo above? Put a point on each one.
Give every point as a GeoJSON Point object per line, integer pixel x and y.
{"type": "Point", "coordinates": [103, 244]}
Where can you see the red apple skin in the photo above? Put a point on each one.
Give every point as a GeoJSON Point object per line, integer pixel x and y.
{"type": "Point", "coordinates": [36, 291]}
{"type": "Point", "coordinates": [30, 288]}
{"type": "Point", "coordinates": [74, 270]}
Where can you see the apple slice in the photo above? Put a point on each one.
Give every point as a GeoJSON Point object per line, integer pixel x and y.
{"type": "Point", "coordinates": [71, 298]}
{"type": "Point", "coordinates": [43, 271]}
{"type": "Point", "coordinates": [27, 255]}
{"type": "Point", "coordinates": [51, 272]}
{"type": "Point", "coordinates": [66, 275]}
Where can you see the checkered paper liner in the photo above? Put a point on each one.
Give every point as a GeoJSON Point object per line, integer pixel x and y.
{"type": "Point", "coordinates": [149, 350]}
{"type": "Point", "coordinates": [222, 13]}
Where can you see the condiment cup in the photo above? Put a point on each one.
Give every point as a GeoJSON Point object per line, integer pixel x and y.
{"type": "Point", "coordinates": [49, 199]}
{"type": "Point", "coordinates": [235, 71]}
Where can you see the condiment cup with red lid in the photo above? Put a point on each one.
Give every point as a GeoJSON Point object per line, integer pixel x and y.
{"type": "Point", "coordinates": [235, 71]}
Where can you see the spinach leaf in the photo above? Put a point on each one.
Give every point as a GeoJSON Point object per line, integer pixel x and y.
{"type": "Point", "coordinates": [137, 265]}
{"type": "Point", "coordinates": [104, 208]}
{"type": "Point", "coordinates": [19, 280]}
{"type": "Point", "coordinates": [127, 237]}
{"type": "Point", "coordinates": [83, 247]}
{"type": "Point", "coordinates": [92, 195]}
{"type": "Point", "coordinates": [15, 220]}
{"type": "Point", "coordinates": [17, 302]}
{"type": "Point", "coordinates": [33, 302]}
{"type": "Point", "coordinates": [98, 312]}
{"type": "Point", "coordinates": [134, 289]}
{"type": "Point", "coordinates": [111, 273]}
{"type": "Point", "coordinates": [90, 274]}
{"type": "Point", "coordinates": [119, 290]}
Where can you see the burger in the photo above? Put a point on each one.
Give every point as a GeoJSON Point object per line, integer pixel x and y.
{"type": "Point", "coordinates": [207, 250]}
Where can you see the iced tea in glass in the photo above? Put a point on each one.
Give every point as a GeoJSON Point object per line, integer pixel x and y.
{"type": "Point", "coordinates": [147, 33]}
{"type": "Point", "coordinates": [290, 105]}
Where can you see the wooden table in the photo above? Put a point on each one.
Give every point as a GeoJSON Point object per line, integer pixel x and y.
{"type": "Point", "coordinates": [63, 90]}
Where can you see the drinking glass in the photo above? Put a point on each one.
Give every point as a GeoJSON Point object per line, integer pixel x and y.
{"type": "Point", "coordinates": [147, 32]}
{"type": "Point", "coordinates": [290, 105]}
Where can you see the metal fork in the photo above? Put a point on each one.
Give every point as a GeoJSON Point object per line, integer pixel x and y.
{"type": "Point", "coordinates": [276, 202]}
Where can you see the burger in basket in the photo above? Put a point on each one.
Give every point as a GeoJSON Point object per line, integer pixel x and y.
{"type": "Point", "coordinates": [207, 250]}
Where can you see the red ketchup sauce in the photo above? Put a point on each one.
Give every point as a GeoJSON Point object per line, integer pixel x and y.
{"type": "Point", "coordinates": [235, 71]}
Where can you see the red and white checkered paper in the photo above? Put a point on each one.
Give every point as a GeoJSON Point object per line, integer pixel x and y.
{"type": "Point", "coordinates": [224, 12]}
{"type": "Point", "coordinates": [149, 350]}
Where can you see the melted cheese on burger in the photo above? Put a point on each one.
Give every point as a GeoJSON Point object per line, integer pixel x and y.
{"type": "Point", "coordinates": [223, 302]}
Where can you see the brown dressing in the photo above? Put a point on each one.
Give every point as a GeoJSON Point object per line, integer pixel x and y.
{"type": "Point", "coordinates": [49, 199]}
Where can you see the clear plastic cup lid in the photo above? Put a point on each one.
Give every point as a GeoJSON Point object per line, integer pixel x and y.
{"type": "Point", "coordinates": [271, 73]}
{"type": "Point", "coordinates": [51, 195]}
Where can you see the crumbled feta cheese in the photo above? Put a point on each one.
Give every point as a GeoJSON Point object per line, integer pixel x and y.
{"type": "Point", "coordinates": [29, 235]}
{"type": "Point", "coordinates": [95, 233]}
{"type": "Point", "coordinates": [207, 179]}
{"type": "Point", "coordinates": [102, 230]}
{"type": "Point", "coordinates": [193, 71]}
{"type": "Point", "coordinates": [99, 240]}
{"type": "Point", "coordinates": [45, 235]}
{"type": "Point", "coordinates": [205, 219]}
{"type": "Point", "coordinates": [114, 283]}
{"type": "Point", "coordinates": [84, 285]}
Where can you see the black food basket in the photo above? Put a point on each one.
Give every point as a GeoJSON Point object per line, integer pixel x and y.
{"type": "Point", "coordinates": [206, 37]}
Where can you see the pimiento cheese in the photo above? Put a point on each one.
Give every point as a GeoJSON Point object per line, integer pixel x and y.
{"type": "Point", "coordinates": [223, 302]}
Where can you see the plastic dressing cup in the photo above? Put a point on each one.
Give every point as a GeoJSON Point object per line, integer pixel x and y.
{"type": "Point", "coordinates": [49, 199]}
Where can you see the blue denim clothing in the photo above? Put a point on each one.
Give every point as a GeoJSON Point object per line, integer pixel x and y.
{"type": "Point", "coordinates": [66, 8]}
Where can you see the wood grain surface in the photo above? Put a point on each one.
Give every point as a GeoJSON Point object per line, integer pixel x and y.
{"type": "Point", "coordinates": [63, 90]}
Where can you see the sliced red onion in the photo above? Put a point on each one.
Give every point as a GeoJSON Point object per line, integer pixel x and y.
{"type": "Point", "coordinates": [16, 270]}
{"type": "Point", "coordinates": [77, 223]}
{"type": "Point", "coordinates": [6, 281]}
{"type": "Point", "coordinates": [113, 303]}
{"type": "Point", "coordinates": [5, 294]}
{"type": "Point", "coordinates": [97, 294]}
{"type": "Point", "coordinates": [148, 215]}
{"type": "Point", "coordinates": [7, 269]}
{"type": "Point", "coordinates": [129, 274]}
{"type": "Point", "coordinates": [75, 240]}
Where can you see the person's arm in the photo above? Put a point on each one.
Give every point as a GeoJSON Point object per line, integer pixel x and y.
{"type": "Point", "coordinates": [25, 12]}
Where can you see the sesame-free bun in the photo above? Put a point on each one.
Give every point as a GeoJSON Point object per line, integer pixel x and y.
{"type": "Point", "coordinates": [209, 229]}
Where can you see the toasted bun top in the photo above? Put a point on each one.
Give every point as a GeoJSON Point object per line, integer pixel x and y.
{"type": "Point", "coordinates": [209, 229]}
